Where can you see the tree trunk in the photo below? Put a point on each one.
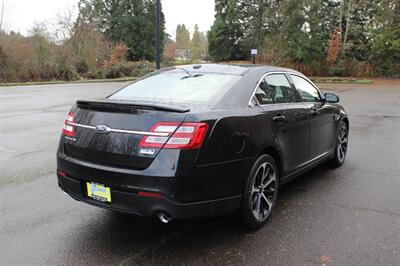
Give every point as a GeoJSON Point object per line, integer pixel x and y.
{"type": "Point", "coordinates": [347, 29]}
{"type": "Point", "coordinates": [1, 16]}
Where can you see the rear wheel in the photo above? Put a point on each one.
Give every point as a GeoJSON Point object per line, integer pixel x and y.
{"type": "Point", "coordinates": [341, 144]}
{"type": "Point", "coordinates": [261, 192]}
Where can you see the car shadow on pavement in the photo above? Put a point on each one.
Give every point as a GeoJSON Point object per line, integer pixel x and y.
{"type": "Point", "coordinates": [136, 240]}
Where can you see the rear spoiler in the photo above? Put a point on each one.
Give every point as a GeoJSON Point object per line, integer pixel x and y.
{"type": "Point", "coordinates": [120, 105]}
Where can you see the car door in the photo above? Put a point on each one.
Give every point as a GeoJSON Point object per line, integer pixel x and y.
{"type": "Point", "coordinates": [321, 116]}
{"type": "Point", "coordinates": [291, 126]}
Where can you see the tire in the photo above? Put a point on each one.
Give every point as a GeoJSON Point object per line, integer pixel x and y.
{"type": "Point", "coordinates": [342, 140]}
{"type": "Point", "coordinates": [260, 193]}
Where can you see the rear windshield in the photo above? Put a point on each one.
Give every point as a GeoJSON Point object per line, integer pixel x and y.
{"type": "Point", "coordinates": [178, 86]}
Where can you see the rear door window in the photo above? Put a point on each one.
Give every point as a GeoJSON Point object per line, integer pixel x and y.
{"type": "Point", "coordinates": [275, 88]}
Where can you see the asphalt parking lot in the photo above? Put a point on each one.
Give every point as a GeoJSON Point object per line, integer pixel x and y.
{"type": "Point", "coordinates": [349, 215]}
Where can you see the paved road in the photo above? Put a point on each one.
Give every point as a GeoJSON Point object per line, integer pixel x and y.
{"type": "Point", "coordinates": [349, 215]}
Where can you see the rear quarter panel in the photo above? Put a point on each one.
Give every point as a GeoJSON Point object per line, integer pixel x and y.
{"type": "Point", "coordinates": [234, 140]}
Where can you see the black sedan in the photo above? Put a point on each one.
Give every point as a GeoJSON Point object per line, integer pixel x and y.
{"type": "Point", "coordinates": [200, 140]}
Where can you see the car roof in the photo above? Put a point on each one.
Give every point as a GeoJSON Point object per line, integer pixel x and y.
{"type": "Point", "coordinates": [234, 69]}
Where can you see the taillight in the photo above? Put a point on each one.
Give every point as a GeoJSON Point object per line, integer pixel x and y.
{"type": "Point", "coordinates": [69, 129]}
{"type": "Point", "coordinates": [181, 136]}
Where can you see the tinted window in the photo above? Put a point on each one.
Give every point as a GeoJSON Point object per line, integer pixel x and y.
{"type": "Point", "coordinates": [275, 89]}
{"type": "Point", "coordinates": [177, 86]}
{"type": "Point", "coordinates": [307, 91]}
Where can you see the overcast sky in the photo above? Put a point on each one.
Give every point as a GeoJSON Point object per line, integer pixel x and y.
{"type": "Point", "coordinates": [20, 15]}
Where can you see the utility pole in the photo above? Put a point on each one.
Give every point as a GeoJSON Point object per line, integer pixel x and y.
{"type": "Point", "coordinates": [254, 48]}
{"type": "Point", "coordinates": [158, 33]}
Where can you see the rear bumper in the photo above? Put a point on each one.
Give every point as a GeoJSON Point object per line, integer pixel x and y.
{"type": "Point", "coordinates": [211, 190]}
{"type": "Point", "coordinates": [129, 202]}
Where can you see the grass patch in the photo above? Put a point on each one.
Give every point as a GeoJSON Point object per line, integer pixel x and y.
{"type": "Point", "coordinates": [340, 80]}
{"type": "Point", "coordinates": [65, 82]}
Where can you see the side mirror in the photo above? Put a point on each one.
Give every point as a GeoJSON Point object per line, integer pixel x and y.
{"type": "Point", "coordinates": [331, 98]}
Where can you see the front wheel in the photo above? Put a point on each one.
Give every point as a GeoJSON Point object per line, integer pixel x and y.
{"type": "Point", "coordinates": [261, 192]}
{"type": "Point", "coordinates": [341, 144]}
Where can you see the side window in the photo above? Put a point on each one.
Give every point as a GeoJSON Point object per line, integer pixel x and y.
{"type": "Point", "coordinates": [307, 91]}
{"type": "Point", "coordinates": [275, 88]}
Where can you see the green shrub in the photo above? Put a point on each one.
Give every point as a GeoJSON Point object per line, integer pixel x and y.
{"type": "Point", "coordinates": [96, 74]}
{"type": "Point", "coordinates": [112, 73]}
{"type": "Point", "coordinates": [129, 69]}
{"type": "Point", "coordinates": [336, 71]}
{"type": "Point", "coordinates": [141, 68]}
{"type": "Point", "coordinates": [125, 69]}
{"type": "Point", "coordinates": [82, 67]}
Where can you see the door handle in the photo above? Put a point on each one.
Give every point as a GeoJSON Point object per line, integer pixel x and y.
{"type": "Point", "coordinates": [279, 119]}
{"type": "Point", "coordinates": [314, 112]}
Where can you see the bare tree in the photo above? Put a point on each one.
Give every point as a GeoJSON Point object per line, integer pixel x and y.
{"type": "Point", "coordinates": [64, 25]}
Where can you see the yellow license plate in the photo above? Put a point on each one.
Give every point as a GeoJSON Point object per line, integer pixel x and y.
{"type": "Point", "coordinates": [98, 192]}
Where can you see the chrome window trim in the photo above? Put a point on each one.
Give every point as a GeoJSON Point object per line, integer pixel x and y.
{"type": "Point", "coordinates": [134, 132]}
{"type": "Point", "coordinates": [258, 84]}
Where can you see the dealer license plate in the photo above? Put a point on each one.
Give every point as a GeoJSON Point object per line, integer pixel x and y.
{"type": "Point", "coordinates": [98, 192]}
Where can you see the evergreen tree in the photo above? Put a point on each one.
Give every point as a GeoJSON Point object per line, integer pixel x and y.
{"type": "Point", "coordinates": [307, 27]}
{"type": "Point", "coordinates": [198, 44]}
{"type": "Point", "coordinates": [300, 28]}
{"type": "Point", "coordinates": [183, 40]}
{"type": "Point", "coordinates": [310, 32]}
{"type": "Point", "coordinates": [358, 42]}
{"type": "Point", "coordinates": [385, 35]}
{"type": "Point", "coordinates": [128, 21]}
{"type": "Point", "coordinates": [231, 35]}
{"type": "Point", "coordinates": [220, 46]}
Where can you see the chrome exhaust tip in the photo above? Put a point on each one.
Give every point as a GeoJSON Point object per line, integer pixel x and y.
{"type": "Point", "coordinates": [164, 218]}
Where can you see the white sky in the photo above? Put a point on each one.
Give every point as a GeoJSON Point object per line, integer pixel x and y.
{"type": "Point", "coordinates": [21, 15]}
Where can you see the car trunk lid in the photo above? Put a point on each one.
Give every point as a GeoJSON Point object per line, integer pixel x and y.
{"type": "Point", "coordinates": [109, 132]}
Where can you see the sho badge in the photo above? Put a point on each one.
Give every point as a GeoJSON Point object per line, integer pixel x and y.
{"type": "Point", "coordinates": [147, 151]}
{"type": "Point", "coordinates": [69, 138]}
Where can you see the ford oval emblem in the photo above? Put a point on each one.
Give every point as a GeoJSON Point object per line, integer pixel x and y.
{"type": "Point", "coordinates": [103, 129]}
